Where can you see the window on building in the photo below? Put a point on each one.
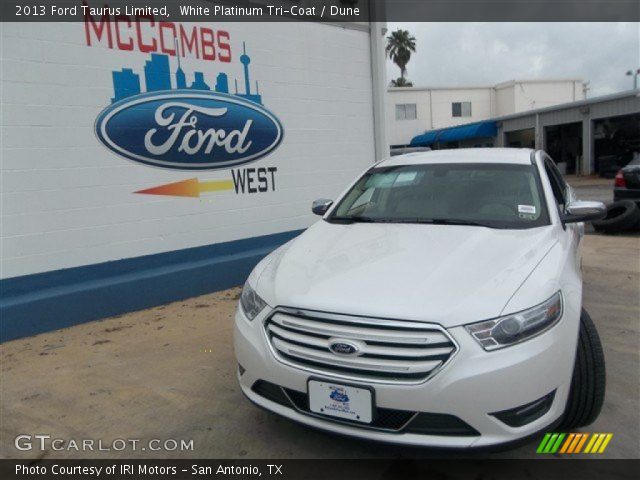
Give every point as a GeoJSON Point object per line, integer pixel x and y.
{"type": "Point", "coordinates": [406, 111]}
{"type": "Point", "coordinates": [461, 109]}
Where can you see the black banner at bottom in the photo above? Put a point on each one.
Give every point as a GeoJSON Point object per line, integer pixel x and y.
{"type": "Point", "coordinates": [321, 469]}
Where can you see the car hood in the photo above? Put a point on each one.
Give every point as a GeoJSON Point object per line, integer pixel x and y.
{"type": "Point", "coordinates": [446, 274]}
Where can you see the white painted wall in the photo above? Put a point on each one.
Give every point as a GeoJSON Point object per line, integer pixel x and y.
{"type": "Point", "coordinates": [434, 110]}
{"type": "Point", "coordinates": [402, 131]}
{"type": "Point", "coordinates": [505, 99]}
{"type": "Point", "coordinates": [533, 95]}
{"type": "Point", "coordinates": [481, 106]}
{"type": "Point", "coordinates": [68, 201]}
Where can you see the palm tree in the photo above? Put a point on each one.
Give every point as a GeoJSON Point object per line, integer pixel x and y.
{"type": "Point", "coordinates": [401, 82]}
{"type": "Point", "coordinates": [400, 44]}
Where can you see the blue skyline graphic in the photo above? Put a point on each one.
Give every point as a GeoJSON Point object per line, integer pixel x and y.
{"type": "Point", "coordinates": [157, 77]}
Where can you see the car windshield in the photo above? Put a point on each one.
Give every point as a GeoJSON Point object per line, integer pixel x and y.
{"type": "Point", "coordinates": [491, 195]}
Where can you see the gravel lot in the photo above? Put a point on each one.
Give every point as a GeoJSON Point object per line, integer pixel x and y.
{"type": "Point", "coordinates": [169, 373]}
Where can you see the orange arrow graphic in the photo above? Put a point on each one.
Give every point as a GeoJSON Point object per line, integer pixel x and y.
{"type": "Point", "coordinates": [189, 188]}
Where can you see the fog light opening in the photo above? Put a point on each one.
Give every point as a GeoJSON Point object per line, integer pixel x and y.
{"type": "Point", "coordinates": [524, 414]}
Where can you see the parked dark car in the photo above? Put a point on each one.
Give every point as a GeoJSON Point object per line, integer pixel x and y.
{"type": "Point", "coordinates": [627, 183]}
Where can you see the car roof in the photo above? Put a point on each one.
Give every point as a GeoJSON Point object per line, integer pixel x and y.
{"type": "Point", "coordinates": [517, 156]}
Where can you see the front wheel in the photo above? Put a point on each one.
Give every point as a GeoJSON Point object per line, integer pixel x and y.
{"type": "Point", "coordinates": [588, 383]}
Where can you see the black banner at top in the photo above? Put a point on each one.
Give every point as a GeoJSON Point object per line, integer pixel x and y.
{"type": "Point", "coordinates": [322, 10]}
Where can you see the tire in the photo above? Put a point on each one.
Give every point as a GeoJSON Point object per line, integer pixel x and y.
{"type": "Point", "coordinates": [589, 379]}
{"type": "Point", "coordinates": [621, 216]}
{"type": "Point", "coordinates": [636, 228]}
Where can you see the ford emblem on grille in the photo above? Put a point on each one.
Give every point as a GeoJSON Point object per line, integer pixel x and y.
{"type": "Point", "coordinates": [344, 347]}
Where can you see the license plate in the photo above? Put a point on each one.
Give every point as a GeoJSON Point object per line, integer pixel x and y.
{"type": "Point", "coordinates": [341, 401]}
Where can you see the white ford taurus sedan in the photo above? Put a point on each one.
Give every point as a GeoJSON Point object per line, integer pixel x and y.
{"type": "Point", "coordinates": [438, 302]}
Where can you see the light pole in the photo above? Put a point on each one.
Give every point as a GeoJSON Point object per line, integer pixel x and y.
{"type": "Point", "coordinates": [635, 77]}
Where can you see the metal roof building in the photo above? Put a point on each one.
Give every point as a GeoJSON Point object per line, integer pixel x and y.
{"type": "Point", "coordinates": [586, 135]}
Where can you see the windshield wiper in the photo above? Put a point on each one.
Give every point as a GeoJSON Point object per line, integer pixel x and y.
{"type": "Point", "coordinates": [350, 219]}
{"type": "Point", "coordinates": [454, 221]}
{"type": "Point", "coordinates": [431, 221]}
{"type": "Point", "coordinates": [365, 220]}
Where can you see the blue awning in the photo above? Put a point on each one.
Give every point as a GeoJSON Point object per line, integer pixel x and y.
{"type": "Point", "coordinates": [452, 134]}
{"type": "Point", "coordinates": [425, 139]}
{"type": "Point", "coordinates": [473, 130]}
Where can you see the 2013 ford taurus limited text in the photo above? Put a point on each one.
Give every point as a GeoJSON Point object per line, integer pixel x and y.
{"type": "Point", "coordinates": [438, 302]}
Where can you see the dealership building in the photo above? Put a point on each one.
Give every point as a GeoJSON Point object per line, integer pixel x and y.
{"type": "Point", "coordinates": [414, 110]}
{"type": "Point", "coordinates": [147, 162]}
{"type": "Point", "coordinates": [583, 135]}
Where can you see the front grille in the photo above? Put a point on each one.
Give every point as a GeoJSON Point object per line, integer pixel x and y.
{"type": "Point", "coordinates": [388, 419]}
{"type": "Point", "coordinates": [391, 351]}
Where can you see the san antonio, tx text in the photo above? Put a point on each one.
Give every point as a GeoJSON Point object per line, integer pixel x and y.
{"type": "Point", "coordinates": [141, 469]}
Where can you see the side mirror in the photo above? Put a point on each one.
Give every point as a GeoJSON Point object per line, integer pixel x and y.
{"type": "Point", "coordinates": [584, 211]}
{"type": "Point", "coordinates": [320, 207]}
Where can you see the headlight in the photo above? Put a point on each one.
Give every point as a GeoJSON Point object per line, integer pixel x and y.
{"type": "Point", "coordinates": [514, 328]}
{"type": "Point", "coordinates": [250, 302]}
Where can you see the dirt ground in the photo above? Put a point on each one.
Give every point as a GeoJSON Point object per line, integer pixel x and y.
{"type": "Point", "coordinates": [169, 373]}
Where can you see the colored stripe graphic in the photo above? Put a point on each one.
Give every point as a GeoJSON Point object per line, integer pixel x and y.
{"type": "Point", "coordinates": [592, 441]}
{"type": "Point", "coordinates": [550, 443]}
{"type": "Point", "coordinates": [573, 443]}
{"type": "Point", "coordinates": [579, 443]}
{"type": "Point", "coordinates": [582, 442]}
{"type": "Point", "coordinates": [567, 442]}
{"type": "Point", "coordinates": [189, 188]}
{"type": "Point", "coordinates": [596, 446]}
{"type": "Point", "coordinates": [577, 439]}
{"type": "Point", "coordinates": [606, 441]}
{"type": "Point", "coordinates": [543, 443]}
{"type": "Point", "coordinates": [599, 443]}
{"type": "Point", "coordinates": [556, 445]}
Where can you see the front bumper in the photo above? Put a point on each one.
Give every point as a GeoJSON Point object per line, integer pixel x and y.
{"type": "Point", "coordinates": [471, 386]}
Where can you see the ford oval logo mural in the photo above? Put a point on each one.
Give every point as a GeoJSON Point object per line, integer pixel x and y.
{"type": "Point", "coordinates": [189, 130]}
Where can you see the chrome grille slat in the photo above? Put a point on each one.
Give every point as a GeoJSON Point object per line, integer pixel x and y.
{"type": "Point", "coordinates": [368, 350]}
{"type": "Point", "coordinates": [360, 363]}
{"type": "Point", "coordinates": [360, 333]}
{"type": "Point", "coordinates": [336, 317]}
{"type": "Point", "coordinates": [390, 351]}
{"type": "Point", "coordinates": [297, 337]}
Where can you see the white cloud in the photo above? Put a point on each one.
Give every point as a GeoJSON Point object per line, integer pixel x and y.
{"type": "Point", "coordinates": [458, 54]}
